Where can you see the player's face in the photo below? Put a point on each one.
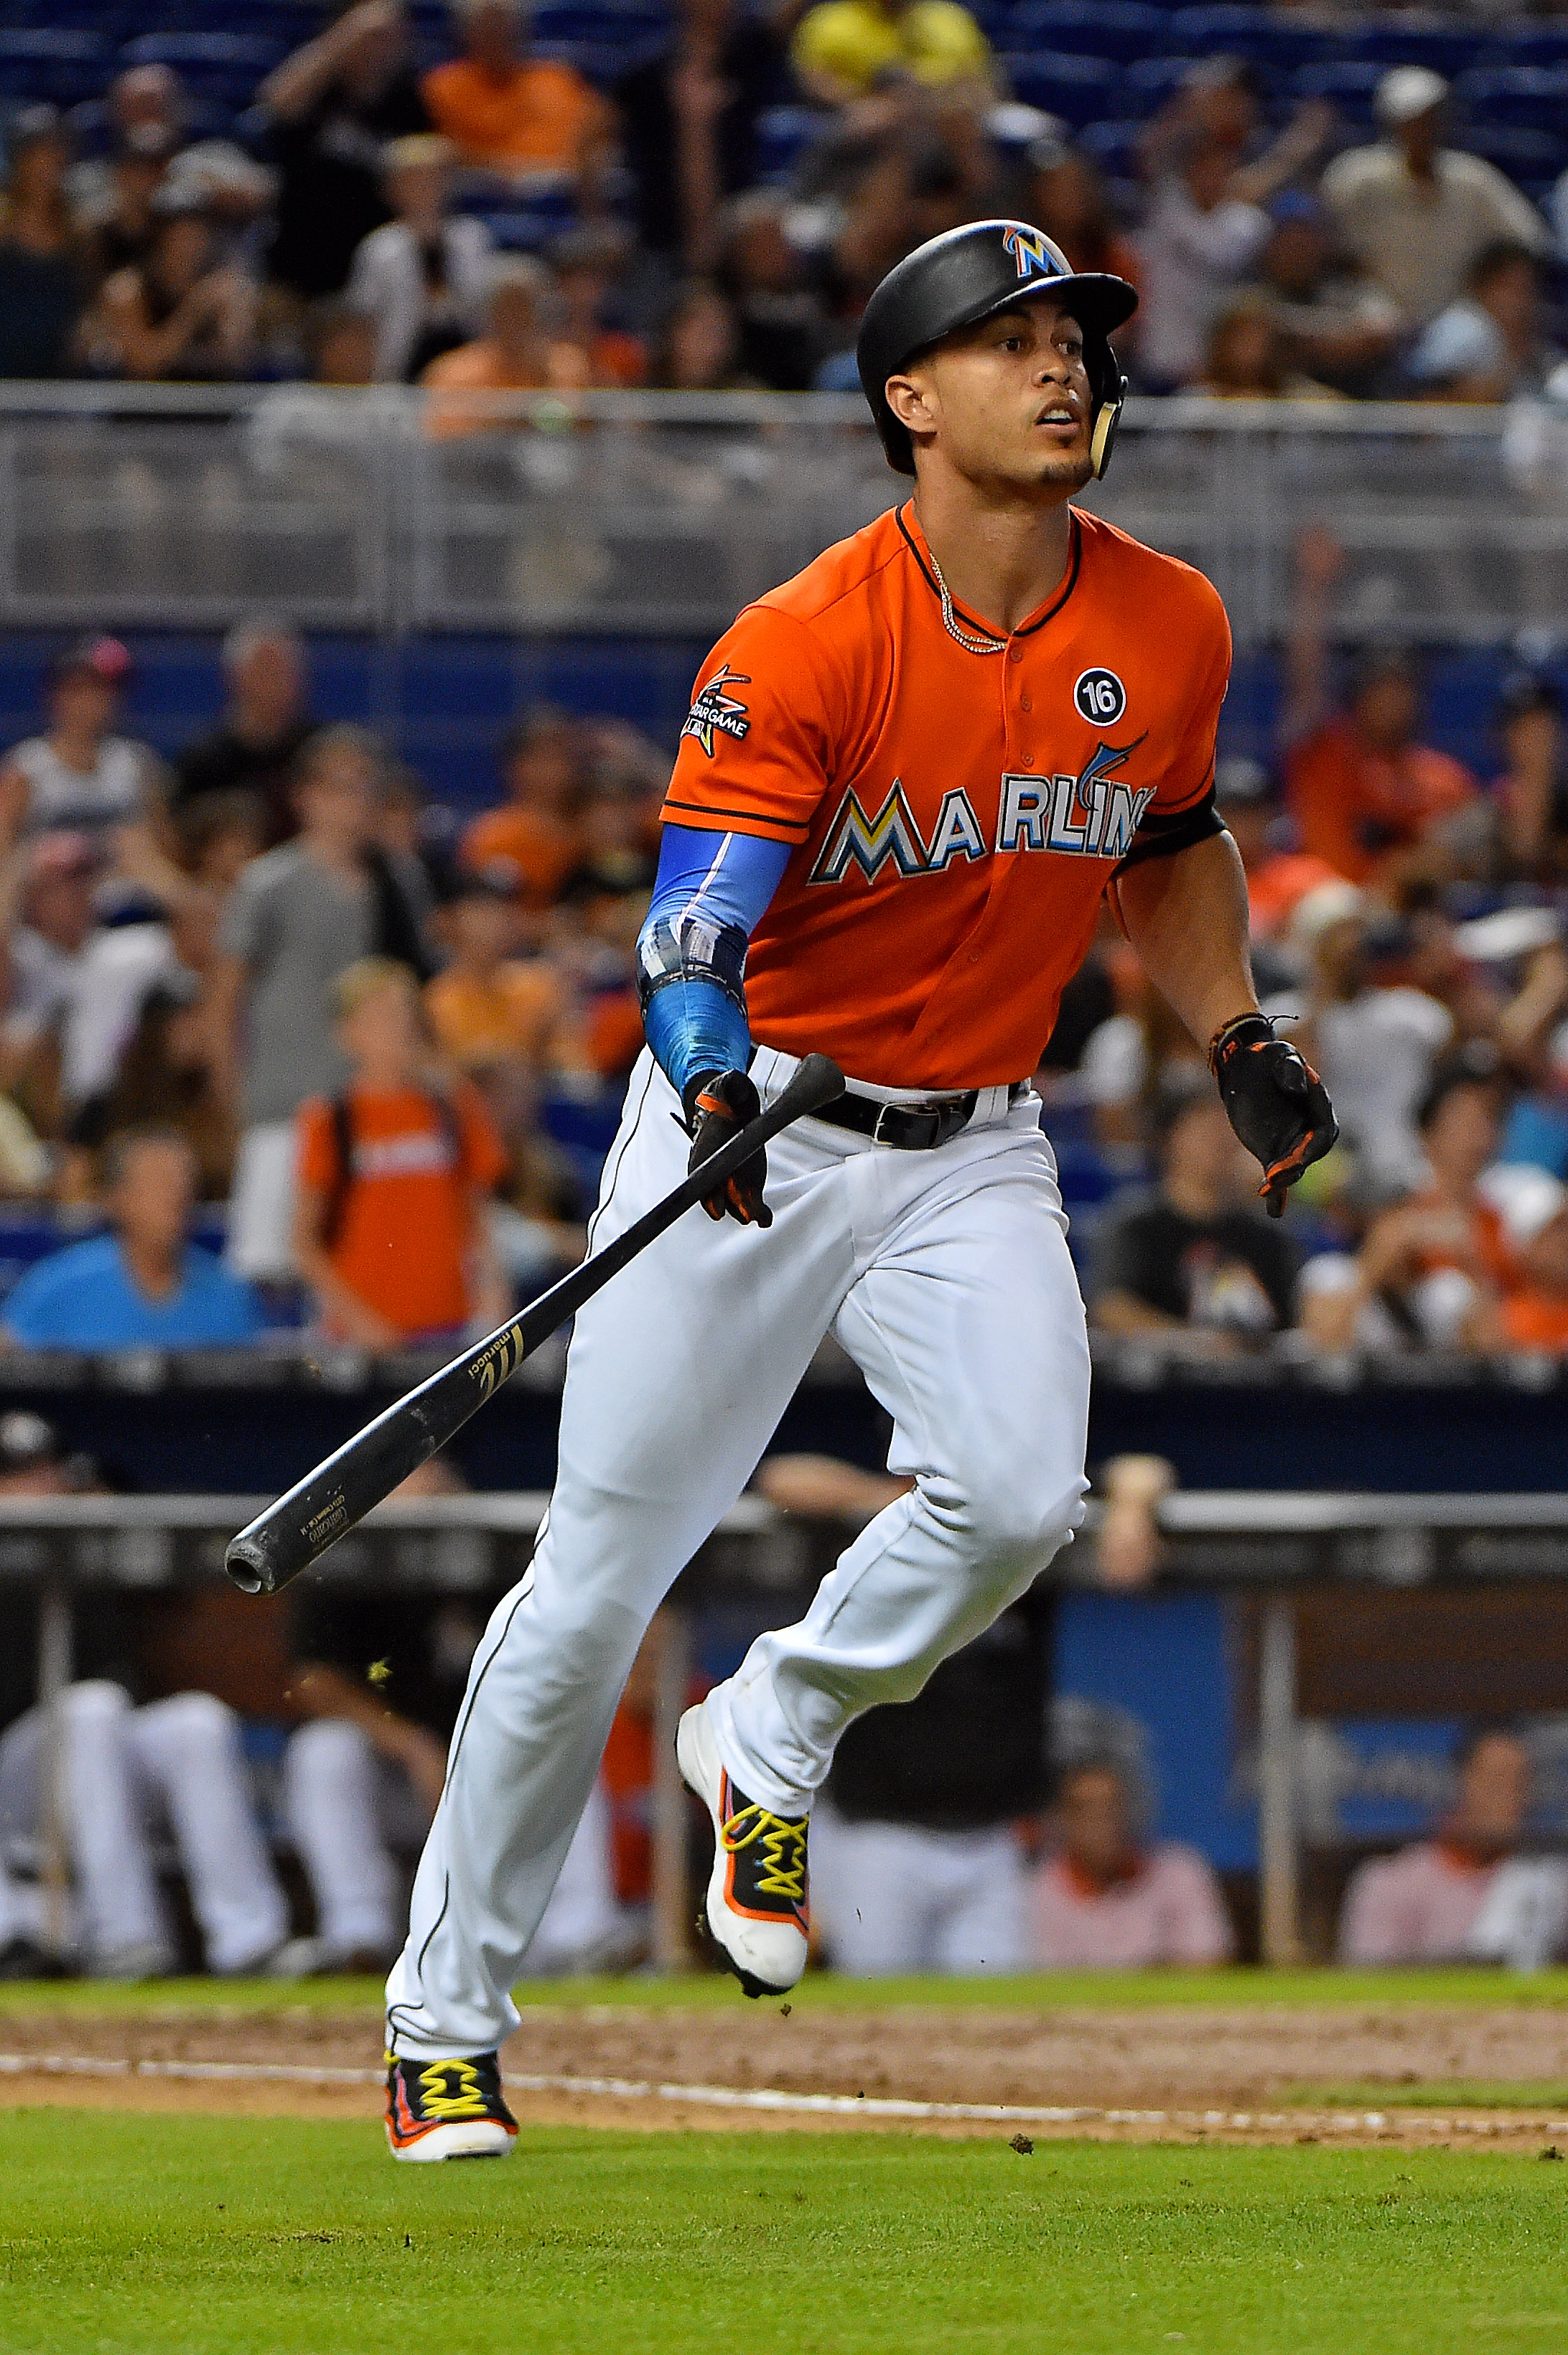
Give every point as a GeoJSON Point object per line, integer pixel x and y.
{"type": "Point", "coordinates": [1006, 404]}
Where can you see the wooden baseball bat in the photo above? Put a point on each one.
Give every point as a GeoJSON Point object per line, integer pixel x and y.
{"type": "Point", "coordinates": [290, 1535]}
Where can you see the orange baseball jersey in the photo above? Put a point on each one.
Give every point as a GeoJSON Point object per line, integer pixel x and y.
{"type": "Point", "coordinates": [954, 818]}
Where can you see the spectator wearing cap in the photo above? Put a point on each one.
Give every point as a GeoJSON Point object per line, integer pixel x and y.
{"type": "Point", "coordinates": [144, 1284]}
{"type": "Point", "coordinates": [265, 727]}
{"type": "Point", "coordinates": [182, 315]}
{"type": "Point", "coordinates": [535, 836]}
{"type": "Point", "coordinates": [43, 263]}
{"type": "Point", "coordinates": [1199, 1265]}
{"type": "Point", "coordinates": [1365, 795]}
{"type": "Point", "coordinates": [422, 277]}
{"type": "Point", "coordinates": [298, 918]}
{"type": "Point", "coordinates": [689, 125]}
{"type": "Point", "coordinates": [1375, 1040]}
{"type": "Point", "coordinates": [517, 352]}
{"type": "Point", "coordinates": [1468, 1894]}
{"type": "Point", "coordinates": [1278, 876]}
{"type": "Point", "coordinates": [525, 119]}
{"type": "Point", "coordinates": [150, 147]}
{"type": "Point", "coordinates": [1532, 792]}
{"type": "Point", "coordinates": [1339, 329]}
{"type": "Point", "coordinates": [843, 47]}
{"type": "Point", "coordinates": [1206, 226]}
{"type": "Point", "coordinates": [1415, 215]}
{"type": "Point", "coordinates": [79, 775]}
{"type": "Point", "coordinates": [1489, 345]}
{"type": "Point", "coordinates": [1433, 1262]}
{"type": "Point", "coordinates": [332, 105]}
{"type": "Point", "coordinates": [394, 1173]}
{"type": "Point", "coordinates": [1108, 1897]}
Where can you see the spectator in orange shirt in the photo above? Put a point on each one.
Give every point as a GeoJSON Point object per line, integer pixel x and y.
{"type": "Point", "coordinates": [526, 118]}
{"type": "Point", "coordinates": [1278, 880]}
{"type": "Point", "coordinates": [514, 354]}
{"type": "Point", "coordinates": [534, 839]}
{"type": "Point", "coordinates": [588, 264]}
{"type": "Point", "coordinates": [390, 1232]}
{"type": "Point", "coordinates": [491, 1006]}
{"type": "Point", "coordinates": [1363, 793]}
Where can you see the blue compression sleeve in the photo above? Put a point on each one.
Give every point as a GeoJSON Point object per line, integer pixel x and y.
{"type": "Point", "coordinates": [711, 893]}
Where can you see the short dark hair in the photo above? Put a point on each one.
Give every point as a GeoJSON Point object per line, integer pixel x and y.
{"type": "Point", "coordinates": [1476, 1064]}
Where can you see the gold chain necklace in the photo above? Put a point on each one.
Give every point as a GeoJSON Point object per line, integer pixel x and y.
{"type": "Point", "coordinates": [951, 624]}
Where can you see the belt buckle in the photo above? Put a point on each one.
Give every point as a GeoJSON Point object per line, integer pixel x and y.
{"type": "Point", "coordinates": [876, 1137]}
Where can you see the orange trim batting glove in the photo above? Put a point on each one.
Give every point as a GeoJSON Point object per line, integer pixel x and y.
{"type": "Point", "coordinates": [717, 1104]}
{"type": "Point", "coordinates": [1274, 1100]}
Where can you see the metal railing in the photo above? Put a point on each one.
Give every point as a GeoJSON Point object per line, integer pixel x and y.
{"type": "Point", "coordinates": [662, 513]}
{"type": "Point", "coordinates": [1270, 1544]}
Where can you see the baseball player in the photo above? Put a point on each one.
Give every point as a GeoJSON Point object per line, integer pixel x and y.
{"type": "Point", "coordinates": [908, 779]}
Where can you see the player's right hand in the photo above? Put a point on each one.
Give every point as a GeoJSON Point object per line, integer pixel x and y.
{"type": "Point", "coordinates": [716, 1104]}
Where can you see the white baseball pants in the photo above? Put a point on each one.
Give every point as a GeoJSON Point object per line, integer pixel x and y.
{"type": "Point", "coordinates": [892, 1897]}
{"type": "Point", "coordinates": [128, 1775]}
{"type": "Point", "coordinates": [946, 1277]}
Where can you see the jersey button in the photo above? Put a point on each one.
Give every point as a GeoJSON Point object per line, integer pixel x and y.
{"type": "Point", "coordinates": [1015, 654]}
{"type": "Point", "coordinates": [1024, 703]}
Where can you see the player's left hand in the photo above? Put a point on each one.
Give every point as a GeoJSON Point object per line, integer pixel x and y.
{"type": "Point", "coordinates": [1275, 1103]}
{"type": "Point", "coordinates": [717, 1104]}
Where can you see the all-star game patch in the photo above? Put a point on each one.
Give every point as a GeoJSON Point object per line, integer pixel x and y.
{"type": "Point", "coordinates": [715, 709]}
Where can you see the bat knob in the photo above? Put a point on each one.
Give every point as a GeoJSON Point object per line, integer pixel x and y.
{"type": "Point", "coordinates": [247, 1564]}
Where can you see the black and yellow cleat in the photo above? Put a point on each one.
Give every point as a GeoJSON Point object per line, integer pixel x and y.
{"type": "Point", "coordinates": [447, 2109]}
{"type": "Point", "coordinates": [756, 1912]}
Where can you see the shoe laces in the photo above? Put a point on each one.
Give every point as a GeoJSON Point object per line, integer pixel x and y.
{"type": "Point", "coordinates": [469, 2100]}
{"type": "Point", "coordinates": [779, 1863]}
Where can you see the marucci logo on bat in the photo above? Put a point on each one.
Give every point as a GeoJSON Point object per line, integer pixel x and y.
{"type": "Point", "coordinates": [1085, 816]}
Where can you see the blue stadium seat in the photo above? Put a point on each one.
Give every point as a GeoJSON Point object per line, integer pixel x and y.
{"type": "Point", "coordinates": [1078, 89]}
{"type": "Point", "coordinates": [1347, 84]}
{"type": "Point", "coordinates": [1528, 44]}
{"type": "Point", "coordinates": [1269, 38]}
{"type": "Point", "coordinates": [528, 228]}
{"type": "Point", "coordinates": [1148, 83]}
{"type": "Point", "coordinates": [1448, 46]}
{"type": "Point", "coordinates": [40, 63]}
{"type": "Point", "coordinates": [1114, 146]}
{"type": "Point", "coordinates": [1517, 97]}
{"type": "Point", "coordinates": [1532, 158]}
{"type": "Point", "coordinates": [784, 134]}
{"type": "Point", "coordinates": [199, 55]}
{"type": "Point", "coordinates": [1118, 29]}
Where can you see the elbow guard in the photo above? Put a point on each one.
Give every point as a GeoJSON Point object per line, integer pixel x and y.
{"type": "Point", "coordinates": [691, 950]}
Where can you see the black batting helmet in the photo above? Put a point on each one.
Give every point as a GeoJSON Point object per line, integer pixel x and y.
{"type": "Point", "coordinates": [960, 278]}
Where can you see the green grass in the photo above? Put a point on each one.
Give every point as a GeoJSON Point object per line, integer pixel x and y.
{"type": "Point", "coordinates": [162, 2235]}
{"type": "Point", "coordinates": [1439, 2094]}
{"type": "Point", "coordinates": [1040, 1991]}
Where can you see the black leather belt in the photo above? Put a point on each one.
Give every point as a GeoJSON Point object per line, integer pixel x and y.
{"type": "Point", "coordinates": [908, 1128]}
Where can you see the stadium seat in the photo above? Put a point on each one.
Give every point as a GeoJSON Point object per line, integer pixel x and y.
{"type": "Point", "coordinates": [1347, 84]}
{"type": "Point", "coordinates": [1528, 44]}
{"type": "Point", "coordinates": [1078, 89]}
{"type": "Point", "coordinates": [1118, 29]}
{"type": "Point", "coordinates": [1266, 37]}
{"type": "Point", "coordinates": [1114, 146]}
{"type": "Point", "coordinates": [40, 63]}
{"type": "Point", "coordinates": [784, 134]}
{"type": "Point", "coordinates": [1517, 97]}
{"type": "Point", "coordinates": [1147, 84]}
{"type": "Point", "coordinates": [1448, 46]}
{"type": "Point", "coordinates": [1532, 158]}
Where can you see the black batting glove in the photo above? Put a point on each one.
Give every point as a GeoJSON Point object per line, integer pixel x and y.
{"type": "Point", "coordinates": [1275, 1103]}
{"type": "Point", "coordinates": [718, 1104]}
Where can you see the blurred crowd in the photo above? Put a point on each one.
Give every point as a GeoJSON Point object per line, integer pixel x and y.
{"type": "Point", "coordinates": [711, 210]}
{"type": "Point", "coordinates": [267, 975]}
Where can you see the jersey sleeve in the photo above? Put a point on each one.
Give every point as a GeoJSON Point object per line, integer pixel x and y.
{"type": "Point", "coordinates": [1183, 810]}
{"type": "Point", "coordinates": [760, 742]}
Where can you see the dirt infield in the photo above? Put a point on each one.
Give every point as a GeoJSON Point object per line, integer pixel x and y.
{"type": "Point", "coordinates": [1255, 2074]}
